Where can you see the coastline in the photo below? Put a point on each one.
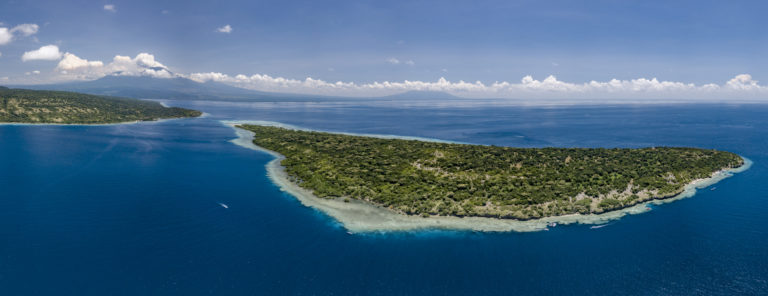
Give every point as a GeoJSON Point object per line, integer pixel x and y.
{"type": "Point", "coordinates": [159, 120]}
{"type": "Point", "coordinates": [75, 124]}
{"type": "Point", "coordinates": [233, 123]}
{"type": "Point", "coordinates": [358, 216]}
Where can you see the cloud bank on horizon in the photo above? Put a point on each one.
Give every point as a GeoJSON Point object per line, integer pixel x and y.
{"type": "Point", "coordinates": [741, 86]}
{"type": "Point", "coordinates": [70, 67]}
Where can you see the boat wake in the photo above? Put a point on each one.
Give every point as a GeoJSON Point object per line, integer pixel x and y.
{"type": "Point", "coordinates": [599, 226]}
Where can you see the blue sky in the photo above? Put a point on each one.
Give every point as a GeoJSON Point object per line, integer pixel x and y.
{"type": "Point", "coordinates": [364, 42]}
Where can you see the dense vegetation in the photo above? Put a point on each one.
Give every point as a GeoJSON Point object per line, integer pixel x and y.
{"type": "Point", "coordinates": [35, 106]}
{"type": "Point", "coordinates": [428, 178]}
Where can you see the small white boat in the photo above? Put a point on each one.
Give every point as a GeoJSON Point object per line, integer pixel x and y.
{"type": "Point", "coordinates": [224, 205]}
{"type": "Point", "coordinates": [552, 224]}
{"type": "Point", "coordinates": [713, 189]}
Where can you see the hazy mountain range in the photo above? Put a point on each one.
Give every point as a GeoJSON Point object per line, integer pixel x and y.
{"type": "Point", "coordinates": [144, 87]}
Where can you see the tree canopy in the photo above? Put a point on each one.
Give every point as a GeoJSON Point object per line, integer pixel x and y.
{"type": "Point", "coordinates": [39, 106]}
{"type": "Point", "coordinates": [429, 178]}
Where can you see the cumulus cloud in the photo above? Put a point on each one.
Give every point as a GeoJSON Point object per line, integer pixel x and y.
{"type": "Point", "coordinates": [45, 53]}
{"type": "Point", "coordinates": [393, 61]}
{"type": "Point", "coordinates": [143, 64]}
{"type": "Point", "coordinates": [5, 36]}
{"type": "Point", "coordinates": [225, 29]}
{"type": "Point", "coordinates": [26, 29]}
{"type": "Point", "coordinates": [73, 62]}
{"type": "Point", "coordinates": [110, 7]}
{"type": "Point", "coordinates": [743, 82]}
{"type": "Point", "coordinates": [527, 87]}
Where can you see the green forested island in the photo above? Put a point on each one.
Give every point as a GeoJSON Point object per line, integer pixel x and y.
{"type": "Point", "coordinates": [429, 178]}
{"type": "Point", "coordinates": [39, 106]}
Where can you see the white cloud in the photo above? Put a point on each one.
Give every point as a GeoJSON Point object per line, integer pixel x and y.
{"type": "Point", "coordinates": [45, 53]}
{"type": "Point", "coordinates": [527, 87]}
{"type": "Point", "coordinates": [395, 61]}
{"type": "Point", "coordinates": [26, 29]}
{"type": "Point", "coordinates": [5, 36]}
{"type": "Point", "coordinates": [75, 68]}
{"type": "Point", "coordinates": [73, 62]}
{"type": "Point", "coordinates": [143, 64]}
{"type": "Point", "coordinates": [110, 8]}
{"type": "Point", "coordinates": [743, 82]}
{"type": "Point", "coordinates": [225, 29]}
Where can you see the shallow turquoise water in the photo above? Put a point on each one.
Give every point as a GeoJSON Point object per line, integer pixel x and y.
{"type": "Point", "coordinates": [135, 210]}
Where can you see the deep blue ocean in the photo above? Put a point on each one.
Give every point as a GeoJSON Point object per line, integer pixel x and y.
{"type": "Point", "coordinates": [135, 210]}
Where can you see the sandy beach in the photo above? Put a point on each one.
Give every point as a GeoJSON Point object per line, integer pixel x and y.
{"type": "Point", "coordinates": [359, 216]}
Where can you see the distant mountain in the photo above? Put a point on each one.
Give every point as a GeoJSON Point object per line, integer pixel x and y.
{"type": "Point", "coordinates": [178, 88]}
{"type": "Point", "coordinates": [144, 87]}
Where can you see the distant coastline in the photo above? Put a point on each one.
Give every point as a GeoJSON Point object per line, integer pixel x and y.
{"type": "Point", "coordinates": [159, 120]}
{"type": "Point", "coordinates": [91, 124]}
{"type": "Point", "coordinates": [360, 216]}
{"type": "Point", "coordinates": [25, 106]}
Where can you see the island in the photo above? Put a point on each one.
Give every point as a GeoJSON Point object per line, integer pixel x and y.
{"type": "Point", "coordinates": [59, 107]}
{"type": "Point", "coordinates": [436, 179]}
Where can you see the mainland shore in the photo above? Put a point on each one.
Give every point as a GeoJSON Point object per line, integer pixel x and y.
{"type": "Point", "coordinates": [159, 120]}
{"type": "Point", "coordinates": [77, 124]}
{"type": "Point", "coordinates": [360, 216]}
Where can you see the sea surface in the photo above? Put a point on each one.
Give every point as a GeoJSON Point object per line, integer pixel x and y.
{"type": "Point", "coordinates": [174, 208]}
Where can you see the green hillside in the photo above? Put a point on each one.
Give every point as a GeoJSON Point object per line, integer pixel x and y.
{"type": "Point", "coordinates": [39, 106]}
